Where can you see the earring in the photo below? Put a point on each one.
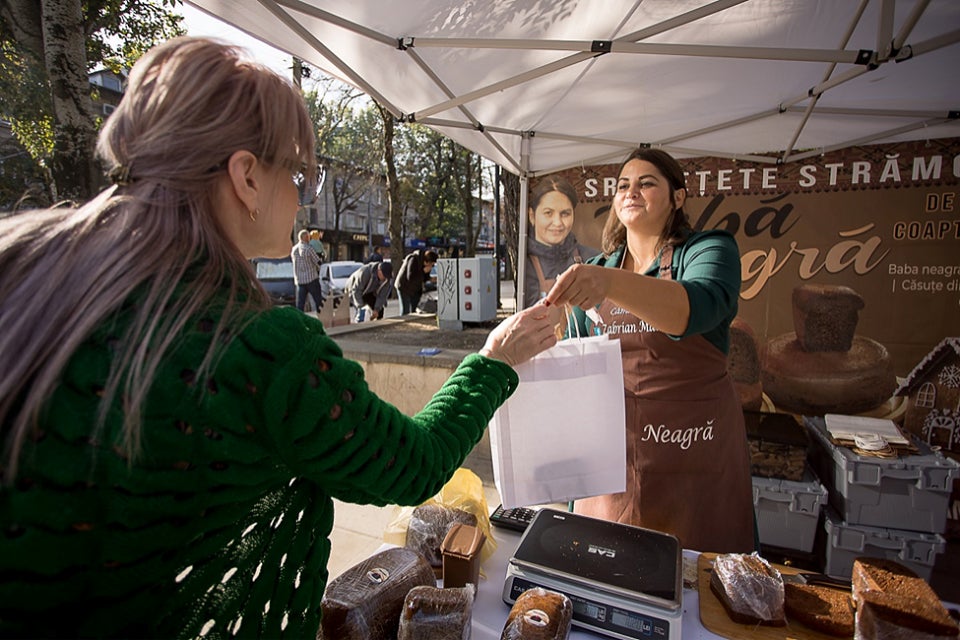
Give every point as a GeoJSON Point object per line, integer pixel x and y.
{"type": "Point", "coordinates": [254, 214]}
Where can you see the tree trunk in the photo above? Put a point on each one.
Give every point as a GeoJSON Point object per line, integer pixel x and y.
{"type": "Point", "coordinates": [394, 210]}
{"type": "Point", "coordinates": [64, 54]}
{"type": "Point", "coordinates": [511, 218]}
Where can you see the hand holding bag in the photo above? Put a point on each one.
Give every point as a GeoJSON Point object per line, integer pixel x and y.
{"type": "Point", "coordinates": [562, 434]}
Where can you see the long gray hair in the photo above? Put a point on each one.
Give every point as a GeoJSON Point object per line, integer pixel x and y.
{"type": "Point", "coordinates": [190, 104]}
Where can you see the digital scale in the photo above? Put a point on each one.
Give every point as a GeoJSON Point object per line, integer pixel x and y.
{"type": "Point", "coordinates": [624, 581]}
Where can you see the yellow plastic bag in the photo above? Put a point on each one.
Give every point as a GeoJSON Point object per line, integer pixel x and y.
{"type": "Point", "coordinates": [463, 491]}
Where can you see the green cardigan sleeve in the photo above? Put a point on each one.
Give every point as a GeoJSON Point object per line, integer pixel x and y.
{"type": "Point", "coordinates": [329, 427]}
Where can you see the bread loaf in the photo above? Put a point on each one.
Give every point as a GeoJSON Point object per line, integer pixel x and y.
{"type": "Point", "coordinates": [365, 601]}
{"type": "Point", "coordinates": [894, 602]}
{"type": "Point", "coordinates": [431, 613]}
{"type": "Point", "coordinates": [749, 589]}
{"type": "Point", "coordinates": [822, 609]}
{"type": "Point", "coordinates": [428, 526]}
{"type": "Point", "coordinates": [539, 614]}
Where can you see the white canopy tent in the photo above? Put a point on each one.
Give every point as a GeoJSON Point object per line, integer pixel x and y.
{"type": "Point", "coordinates": [542, 85]}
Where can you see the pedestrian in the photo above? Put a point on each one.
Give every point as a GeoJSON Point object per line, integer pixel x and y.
{"type": "Point", "coordinates": [316, 244]}
{"type": "Point", "coordinates": [375, 256]}
{"type": "Point", "coordinates": [306, 272]}
{"type": "Point", "coordinates": [172, 442]}
{"type": "Point", "coordinates": [368, 289]}
{"type": "Point", "coordinates": [412, 276]}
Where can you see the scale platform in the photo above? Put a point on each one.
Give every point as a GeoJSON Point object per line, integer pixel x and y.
{"type": "Point", "coordinates": [624, 581]}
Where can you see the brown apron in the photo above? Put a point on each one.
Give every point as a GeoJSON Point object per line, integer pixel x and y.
{"type": "Point", "coordinates": [688, 464]}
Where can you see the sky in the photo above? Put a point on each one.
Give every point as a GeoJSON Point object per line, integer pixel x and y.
{"type": "Point", "coordinates": [198, 23]}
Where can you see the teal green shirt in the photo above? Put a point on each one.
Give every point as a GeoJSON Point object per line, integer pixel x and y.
{"type": "Point", "coordinates": [707, 264]}
{"type": "Point", "coordinates": [221, 524]}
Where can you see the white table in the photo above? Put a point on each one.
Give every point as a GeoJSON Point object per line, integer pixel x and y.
{"type": "Point", "coordinates": [490, 611]}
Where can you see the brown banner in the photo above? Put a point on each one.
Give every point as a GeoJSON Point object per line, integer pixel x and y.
{"type": "Point", "coordinates": [883, 220]}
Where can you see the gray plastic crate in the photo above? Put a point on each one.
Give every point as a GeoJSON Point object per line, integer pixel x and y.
{"type": "Point", "coordinates": [909, 492]}
{"type": "Point", "coordinates": [788, 511]}
{"type": "Point", "coordinates": [846, 542]}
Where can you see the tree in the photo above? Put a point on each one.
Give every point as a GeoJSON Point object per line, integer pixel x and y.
{"type": "Point", "coordinates": [350, 144]}
{"type": "Point", "coordinates": [511, 217]}
{"type": "Point", "coordinates": [49, 48]}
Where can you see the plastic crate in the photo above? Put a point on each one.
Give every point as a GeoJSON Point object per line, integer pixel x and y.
{"type": "Point", "coordinates": [846, 542]}
{"type": "Point", "coordinates": [909, 492]}
{"type": "Point", "coordinates": [788, 511]}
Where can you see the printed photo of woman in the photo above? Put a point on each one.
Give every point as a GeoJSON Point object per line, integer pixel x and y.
{"type": "Point", "coordinates": [551, 244]}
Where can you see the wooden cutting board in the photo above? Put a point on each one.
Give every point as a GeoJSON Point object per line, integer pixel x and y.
{"type": "Point", "coordinates": [714, 617]}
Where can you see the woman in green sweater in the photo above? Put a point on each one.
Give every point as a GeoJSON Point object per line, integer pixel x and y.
{"type": "Point", "coordinates": [171, 441]}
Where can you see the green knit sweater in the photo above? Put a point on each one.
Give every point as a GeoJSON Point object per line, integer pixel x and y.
{"type": "Point", "coordinates": [220, 526]}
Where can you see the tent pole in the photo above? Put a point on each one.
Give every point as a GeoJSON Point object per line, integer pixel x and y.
{"type": "Point", "coordinates": [522, 218]}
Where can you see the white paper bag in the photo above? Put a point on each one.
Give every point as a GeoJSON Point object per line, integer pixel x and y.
{"type": "Point", "coordinates": [561, 435]}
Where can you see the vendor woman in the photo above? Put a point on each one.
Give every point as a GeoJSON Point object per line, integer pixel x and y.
{"type": "Point", "coordinates": [669, 294]}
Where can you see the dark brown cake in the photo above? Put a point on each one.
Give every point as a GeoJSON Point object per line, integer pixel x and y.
{"type": "Point", "coordinates": [814, 384]}
{"type": "Point", "coordinates": [825, 317]}
{"type": "Point", "coordinates": [431, 613]}
{"type": "Point", "coordinates": [749, 589]}
{"type": "Point", "coordinates": [823, 609]}
{"type": "Point", "coordinates": [893, 601]}
{"type": "Point", "coordinates": [539, 614]}
{"type": "Point", "coordinates": [365, 601]}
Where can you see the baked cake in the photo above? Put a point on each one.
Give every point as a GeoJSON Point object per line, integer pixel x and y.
{"type": "Point", "coordinates": [894, 602]}
{"type": "Point", "coordinates": [825, 316]}
{"type": "Point", "coordinates": [823, 367]}
{"type": "Point", "coordinates": [824, 609]}
{"type": "Point", "coordinates": [749, 588]}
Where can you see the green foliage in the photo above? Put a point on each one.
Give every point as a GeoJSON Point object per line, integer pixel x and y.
{"type": "Point", "coordinates": [36, 136]}
{"type": "Point", "coordinates": [120, 31]}
{"type": "Point", "coordinates": [117, 33]}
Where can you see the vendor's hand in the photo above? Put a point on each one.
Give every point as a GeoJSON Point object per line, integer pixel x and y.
{"type": "Point", "coordinates": [581, 285]}
{"type": "Point", "coordinates": [521, 336]}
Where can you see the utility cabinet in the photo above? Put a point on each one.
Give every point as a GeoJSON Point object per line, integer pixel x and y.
{"type": "Point", "coordinates": [466, 291]}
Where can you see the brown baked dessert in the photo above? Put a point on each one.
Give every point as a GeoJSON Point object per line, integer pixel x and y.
{"type": "Point", "coordinates": [825, 316]}
{"type": "Point", "coordinates": [749, 589]}
{"type": "Point", "coordinates": [817, 383]}
{"type": "Point", "coordinates": [365, 601]}
{"type": "Point", "coordinates": [893, 601]}
{"type": "Point", "coordinates": [428, 526]}
{"type": "Point", "coordinates": [822, 609]}
{"type": "Point", "coordinates": [431, 613]}
{"type": "Point", "coordinates": [539, 614]}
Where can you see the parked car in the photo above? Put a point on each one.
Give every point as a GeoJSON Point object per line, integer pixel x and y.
{"type": "Point", "coordinates": [333, 277]}
{"type": "Point", "coordinates": [276, 276]}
